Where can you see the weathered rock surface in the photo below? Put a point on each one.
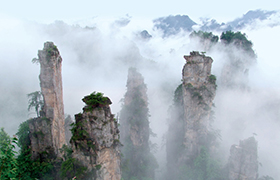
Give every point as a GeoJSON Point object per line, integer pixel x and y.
{"type": "Point", "coordinates": [41, 138]}
{"type": "Point", "coordinates": [95, 142]}
{"type": "Point", "coordinates": [47, 132]}
{"type": "Point", "coordinates": [198, 93]}
{"type": "Point", "coordinates": [51, 88]}
{"type": "Point", "coordinates": [243, 160]}
{"type": "Point", "coordinates": [190, 116]}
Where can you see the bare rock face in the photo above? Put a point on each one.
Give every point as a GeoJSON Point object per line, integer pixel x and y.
{"type": "Point", "coordinates": [95, 141]}
{"type": "Point", "coordinates": [41, 139]}
{"type": "Point", "coordinates": [190, 117]}
{"type": "Point", "coordinates": [198, 93]}
{"type": "Point", "coordinates": [47, 132]}
{"type": "Point", "coordinates": [243, 160]}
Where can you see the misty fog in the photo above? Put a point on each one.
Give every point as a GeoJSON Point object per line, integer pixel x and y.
{"type": "Point", "coordinates": [97, 54]}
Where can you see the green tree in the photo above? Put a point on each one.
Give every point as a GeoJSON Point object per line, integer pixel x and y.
{"type": "Point", "coordinates": [205, 35]}
{"type": "Point", "coordinates": [237, 38]}
{"type": "Point", "coordinates": [27, 168]}
{"type": "Point", "coordinates": [8, 162]}
{"type": "Point", "coordinates": [35, 101]}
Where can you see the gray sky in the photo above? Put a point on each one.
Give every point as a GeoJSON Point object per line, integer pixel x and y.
{"type": "Point", "coordinates": [50, 10]}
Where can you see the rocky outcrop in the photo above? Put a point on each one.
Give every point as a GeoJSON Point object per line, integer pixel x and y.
{"type": "Point", "coordinates": [47, 131]}
{"type": "Point", "coordinates": [243, 160]}
{"type": "Point", "coordinates": [137, 161]}
{"type": "Point", "coordinates": [41, 139]}
{"type": "Point", "coordinates": [95, 140]}
{"type": "Point", "coordinates": [198, 90]}
{"type": "Point", "coordinates": [190, 117]}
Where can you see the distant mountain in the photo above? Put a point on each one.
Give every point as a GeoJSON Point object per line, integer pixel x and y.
{"type": "Point", "coordinates": [172, 25]}
{"type": "Point", "coordinates": [247, 19]}
{"type": "Point", "coordinates": [250, 17]}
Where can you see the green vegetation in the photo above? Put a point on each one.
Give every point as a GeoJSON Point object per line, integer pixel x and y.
{"type": "Point", "coordinates": [35, 101]}
{"type": "Point", "coordinates": [205, 35]}
{"type": "Point", "coordinates": [196, 94]}
{"type": "Point", "coordinates": [8, 163]}
{"type": "Point", "coordinates": [50, 51]}
{"type": "Point", "coordinates": [178, 94]}
{"type": "Point", "coordinates": [212, 79]}
{"type": "Point", "coordinates": [203, 167]}
{"type": "Point", "coordinates": [23, 133]}
{"type": "Point", "coordinates": [237, 38]}
{"type": "Point", "coordinates": [78, 133]}
{"type": "Point", "coordinates": [71, 167]}
{"type": "Point", "coordinates": [20, 166]}
{"type": "Point", "coordinates": [95, 99]}
{"type": "Point", "coordinates": [229, 37]}
{"type": "Point", "coordinates": [28, 168]}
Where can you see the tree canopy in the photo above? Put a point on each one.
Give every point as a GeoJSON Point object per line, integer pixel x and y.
{"type": "Point", "coordinates": [35, 101]}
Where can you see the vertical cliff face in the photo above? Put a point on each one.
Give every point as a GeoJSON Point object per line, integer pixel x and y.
{"type": "Point", "coordinates": [198, 93]}
{"type": "Point", "coordinates": [137, 161]}
{"type": "Point", "coordinates": [41, 139]}
{"type": "Point", "coordinates": [189, 134]}
{"type": "Point", "coordinates": [243, 160]}
{"type": "Point", "coordinates": [51, 88]}
{"type": "Point", "coordinates": [95, 140]}
{"type": "Point", "coordinates": [47, 132]}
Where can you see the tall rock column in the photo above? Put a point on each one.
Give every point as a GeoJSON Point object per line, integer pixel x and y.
{"type": "Point", "coordinates": [243, 160]}
{"type": "Point", "coordinates": [51, 88]}
{"type": "Point", "coordinates": [137, 162]}
{"type": "Point", "coordinates": [199, 88]}
{"type": "Point", "coordinates": [189, 135]}
{"type": "Point", "coordinates": [95, 140]}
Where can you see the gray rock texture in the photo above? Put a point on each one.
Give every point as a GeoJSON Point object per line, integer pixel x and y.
{"type": "Point", "coordinates": [243, 160]}
{"type": "Point", "coordinates": [95, 142]}
{"type": "Point", "coordinates": [198, 93]}
{"type": "Point", "coordinates": [47, 132]}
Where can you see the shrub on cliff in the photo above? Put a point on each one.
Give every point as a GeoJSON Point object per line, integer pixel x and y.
{"type": "Point", "coordinates": [205, 35]}
{"type": "Point", "coordinates": [95, 99]}
{"type": "Point", "coordinates": [239, 39]}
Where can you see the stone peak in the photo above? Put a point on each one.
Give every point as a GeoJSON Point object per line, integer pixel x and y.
{"type": "Point", "coordinates": [48, 44]}
{"type": "Point", "coordinates": [196, 57]}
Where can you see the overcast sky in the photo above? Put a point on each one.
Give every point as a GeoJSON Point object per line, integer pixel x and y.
{"type": "Point", "coordinates": [50, 10]}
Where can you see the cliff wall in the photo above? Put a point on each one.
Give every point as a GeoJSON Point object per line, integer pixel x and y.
{"type": "Point", "coordinates": [47, 131]}
{"type": "Point", "coordinates": [51, 88]}
{"type": "Point", "coordinates": [243, 160]}
{"type": "Point", "coordinates": [189, 135]}
{"type": "Point", "coordinates": [95, 141]}
{"type": "Point", "coordinates": [199, 89]}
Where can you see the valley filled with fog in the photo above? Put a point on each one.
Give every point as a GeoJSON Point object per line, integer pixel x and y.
{"type": "Point", "coordinates": [97, 54]}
